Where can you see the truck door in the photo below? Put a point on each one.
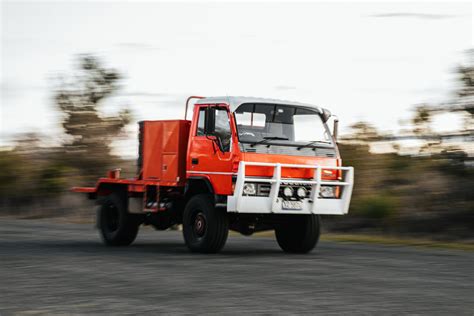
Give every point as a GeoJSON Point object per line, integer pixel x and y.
{"type": "Point", "coordinates": [210, 147]}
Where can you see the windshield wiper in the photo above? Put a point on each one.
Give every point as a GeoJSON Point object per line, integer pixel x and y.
{"type": "Point", "coordinates": [266, 139]}
{"type": "Point", "coordinates": [312, 143]}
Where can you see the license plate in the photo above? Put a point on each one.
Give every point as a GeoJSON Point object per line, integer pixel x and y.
{"type": "Point", "coordinates": [292, 205]}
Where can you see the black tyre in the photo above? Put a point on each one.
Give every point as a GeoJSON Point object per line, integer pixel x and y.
{"type": "Point", "coordinates": [299, 234]}
{"type": "Point", "coordinates": [117, 227]}
{"type": "Point", "coordinates": [205, 227]}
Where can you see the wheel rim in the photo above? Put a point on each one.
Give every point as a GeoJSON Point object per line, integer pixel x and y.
{"type": "Point", "coordinates": [199, 225]}
{"type": "Point", "coordinates": [111, 218]}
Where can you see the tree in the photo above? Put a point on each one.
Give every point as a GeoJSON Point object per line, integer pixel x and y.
{"type": "Point", "coordinates": [466, 92]}
{"type": "Point", "coordinates": [364, 131]}
{"type": "Point", "coordinates": [422, 120]}
{"type": "Point", "coordinates": [87, 148]}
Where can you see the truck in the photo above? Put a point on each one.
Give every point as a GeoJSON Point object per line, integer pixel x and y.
{"type": "Point", "coordinates": [241, 163]}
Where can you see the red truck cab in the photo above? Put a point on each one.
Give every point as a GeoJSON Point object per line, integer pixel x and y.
{"type": "Point", "coordinates": [245, 164]}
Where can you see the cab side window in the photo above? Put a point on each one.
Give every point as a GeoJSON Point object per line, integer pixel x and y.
{"type": "Point", "coordinates": [222, 128]}
{"type": "Point", "coordinates": [215, 122]}
{"type": "Point", "coordinates": [201, 127]}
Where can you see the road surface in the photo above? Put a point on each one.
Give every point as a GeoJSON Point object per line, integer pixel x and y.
{"type": "Point", "coordinates": [56, 268]}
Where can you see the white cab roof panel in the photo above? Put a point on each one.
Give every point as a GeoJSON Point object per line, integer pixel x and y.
{"type": "Point", "coordinates": [235, 102]}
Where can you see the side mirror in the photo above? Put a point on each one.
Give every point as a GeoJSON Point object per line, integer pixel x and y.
{"type": "Point", "coordinates": [335, 128]}
{"type": "Point", "coordinates": [325, 115]}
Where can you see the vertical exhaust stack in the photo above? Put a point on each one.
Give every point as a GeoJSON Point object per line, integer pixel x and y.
{"type": "Point", "coordinates": [187, 104]}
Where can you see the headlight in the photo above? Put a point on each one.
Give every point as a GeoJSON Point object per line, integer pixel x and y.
{"type": "Point", "coordinates": [288, 191]}
{"type": "Point", "coordinates": [249, 189]}
{"type": "Point", "coordinates": [301, 192]}
{"type": "Point", "coordinates": [328, 192]}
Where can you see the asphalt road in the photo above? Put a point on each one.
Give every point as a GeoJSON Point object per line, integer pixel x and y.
{"type": "Point", "coordinates": [54, 268]}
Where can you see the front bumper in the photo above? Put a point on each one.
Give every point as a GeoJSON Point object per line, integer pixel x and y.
{"type": "Point", "coordinates": [239, 203]}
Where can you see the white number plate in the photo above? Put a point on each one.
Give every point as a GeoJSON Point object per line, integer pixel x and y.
{"type": "Point", "coordinates": [292, 205]}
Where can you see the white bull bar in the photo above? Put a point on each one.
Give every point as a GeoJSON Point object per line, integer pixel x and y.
{"type": "Point", "coordinates": [240, 203]}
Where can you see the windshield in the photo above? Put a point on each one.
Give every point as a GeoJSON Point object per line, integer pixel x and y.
{"type": "Point", "coordinates": [281, 125]}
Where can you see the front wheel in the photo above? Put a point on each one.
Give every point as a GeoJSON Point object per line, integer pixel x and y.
{"type": "Point", "coordinates": [299, 233]}
{"type": "Point", "coordinates": [117, 226]}
{"type": "Point", "coordinates": [205, 227]}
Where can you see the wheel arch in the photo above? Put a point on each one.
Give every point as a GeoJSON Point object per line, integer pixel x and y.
{"type": "Point", "coordinates": [198, 185]}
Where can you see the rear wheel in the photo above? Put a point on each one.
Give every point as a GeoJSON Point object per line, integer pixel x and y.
{"type": "Point", "coordinates": [205, 227]}
{"type": "Point", "coordinates": [117, 227]}
{"type": "Point", "coordinates": [299, 234]}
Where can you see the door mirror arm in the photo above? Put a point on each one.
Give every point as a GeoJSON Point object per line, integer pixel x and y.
{"type": "Point", "coordinates": [219, 144]}
{"type": "Point", "coordinates": [215, 141]}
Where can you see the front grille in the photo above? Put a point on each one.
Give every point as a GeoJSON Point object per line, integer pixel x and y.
{"type": "Point", "coordinates": [289, 150]}
{"type": "Point", "coordinates": [263, 189]}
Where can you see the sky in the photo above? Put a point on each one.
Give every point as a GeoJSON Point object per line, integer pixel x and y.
{"type": "Point", "coordinates": [363, 61]}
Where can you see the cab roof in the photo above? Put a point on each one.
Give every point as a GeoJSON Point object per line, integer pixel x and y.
{"type": "Point", "coordinates": [235, 102]}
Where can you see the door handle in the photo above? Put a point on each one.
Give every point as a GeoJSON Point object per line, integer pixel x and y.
{"type": "Point", "coordinates": [194, 161]}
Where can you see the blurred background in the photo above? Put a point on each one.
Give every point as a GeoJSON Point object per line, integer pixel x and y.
{"type": "Point", "coordinates": [77, 77]}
